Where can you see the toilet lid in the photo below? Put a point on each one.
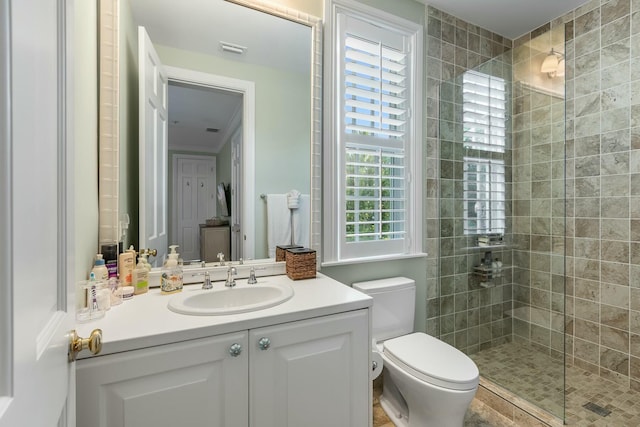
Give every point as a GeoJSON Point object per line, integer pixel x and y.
{"type": "Point", "coordinates": [433, 361]}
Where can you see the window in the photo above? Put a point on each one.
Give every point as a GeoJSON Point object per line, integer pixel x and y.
{"type": "Point", "coordinates": [484, 196]}
{"type": "Point", "coordinates": [484, 118]}
{"type": "Point", "coordinates": [483, 112]}
{"type": "Point", "coordinates": [372, 204]}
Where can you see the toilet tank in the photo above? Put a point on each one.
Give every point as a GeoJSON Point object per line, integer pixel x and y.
{"type": "Point", "coordinates": [393, 305]}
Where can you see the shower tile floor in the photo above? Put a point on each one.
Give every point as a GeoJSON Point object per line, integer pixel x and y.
{"type": "Point", "coordinates": [539, 379]}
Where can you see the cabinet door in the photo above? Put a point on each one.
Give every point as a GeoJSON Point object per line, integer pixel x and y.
{"type": "Point", "coordinates": [194, 383]}
{"type": "Point", "coordinates": [313, 373]}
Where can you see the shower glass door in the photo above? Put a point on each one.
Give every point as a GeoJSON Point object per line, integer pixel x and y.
{"type": "Point", "coordinates": [502, 221]}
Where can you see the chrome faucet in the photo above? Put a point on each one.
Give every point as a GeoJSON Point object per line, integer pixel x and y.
{"type": "Point", "coordinates": [231, 282]}
{"type": "Point", "coordinates": [207, 281]}
{"type": "Point", "coordinates": [252, 277]}
{"type": "Point", "coordinates": [221, 258]}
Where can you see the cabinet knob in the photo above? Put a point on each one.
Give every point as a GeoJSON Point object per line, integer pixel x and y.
{"type": "Point", "coordinates": [235, 349]}
{"type": "Point", "coordinates": [264, 343]}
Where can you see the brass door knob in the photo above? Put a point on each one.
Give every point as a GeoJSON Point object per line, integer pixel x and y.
{"type": "Point", "coordinates": [77, 344]}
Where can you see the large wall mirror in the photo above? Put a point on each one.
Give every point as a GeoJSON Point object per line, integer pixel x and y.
{"type": "Point", "coordinates": [242, 120]}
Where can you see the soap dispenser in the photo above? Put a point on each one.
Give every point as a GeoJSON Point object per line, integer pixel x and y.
{"type": "Point", "coordinates": [143, 258]}
{"type": "Point", "coordinates": [140, 278]}
{"type": "Point", "coordinates": [171, 278]}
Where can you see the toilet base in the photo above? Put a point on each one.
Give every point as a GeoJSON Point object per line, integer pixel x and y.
{"type": "Point", "coordinates": [397, 418]}
{"type": "Point", "coordinates": [409, 402]}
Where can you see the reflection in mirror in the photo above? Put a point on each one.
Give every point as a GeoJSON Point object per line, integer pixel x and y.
{"type": "Point", "coordinates": [286, 128]}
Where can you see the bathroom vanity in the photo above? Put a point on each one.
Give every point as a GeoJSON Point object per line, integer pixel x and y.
{"type": "Point", "coordinates": [304, 362]}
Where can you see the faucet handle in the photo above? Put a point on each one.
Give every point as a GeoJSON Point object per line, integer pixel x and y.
{"type": "Point", "coordinates": [231, 282]}
{"type": "Point", "coordinates": [252, 277]}
{"type": "Point", "coordinates": [207, 281]}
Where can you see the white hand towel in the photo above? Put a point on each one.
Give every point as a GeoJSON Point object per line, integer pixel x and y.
{"type": "Point", "coordinates": [278, 222]}
{"type": "Point", "coordinates": [301, 224]}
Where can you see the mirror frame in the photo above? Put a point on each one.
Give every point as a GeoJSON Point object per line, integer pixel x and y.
{"type": "Point", "coordinates": [108, 105]}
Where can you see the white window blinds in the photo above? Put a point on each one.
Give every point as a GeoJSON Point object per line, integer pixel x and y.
{"type": "Point", "coordinates": [484, 196]}
{"type": "Point", "coordinates": [374, 132]}
{"type": "Point", "coordinates": [375, 89]}
{"type": "Point", "coordinates": [483, 110]}
{"type": "Point", "coordinates": [484, 131]}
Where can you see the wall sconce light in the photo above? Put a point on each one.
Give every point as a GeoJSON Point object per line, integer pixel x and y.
{"type": "Point", "coordinates": [553, 64]}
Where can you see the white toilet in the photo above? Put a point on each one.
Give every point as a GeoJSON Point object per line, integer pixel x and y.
{"type": "Point", "coordinates": [426, 381]}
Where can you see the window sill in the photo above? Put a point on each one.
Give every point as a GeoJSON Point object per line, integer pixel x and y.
{"type": "Point", "coordinates": [364, 260]}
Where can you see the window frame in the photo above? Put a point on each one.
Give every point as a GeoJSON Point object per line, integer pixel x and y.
{"type": "Point", "coordinates": [335, 248]}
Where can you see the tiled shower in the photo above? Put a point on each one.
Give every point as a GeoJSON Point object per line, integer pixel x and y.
{"type": "Point", "coordinates": [568, 297]}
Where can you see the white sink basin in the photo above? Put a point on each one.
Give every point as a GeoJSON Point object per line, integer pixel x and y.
{"type": "Point", "coordinates": [239, 299]}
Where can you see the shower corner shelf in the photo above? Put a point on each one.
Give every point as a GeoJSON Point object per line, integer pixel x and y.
{"type": "Point", "coordinates": [486, 274]}
{"type": "Point", "coordinates": [487, 248]}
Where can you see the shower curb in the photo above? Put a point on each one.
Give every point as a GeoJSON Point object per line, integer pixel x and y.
{"type": "Point", "coordinates": [513, 407]}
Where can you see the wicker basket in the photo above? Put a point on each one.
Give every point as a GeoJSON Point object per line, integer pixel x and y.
{"type": "Point", "coordinates": [281, 251]}
{"type": "Point", "coordinates": [301, 263]}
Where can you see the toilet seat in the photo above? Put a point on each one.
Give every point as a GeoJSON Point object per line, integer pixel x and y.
{"type": "Point", "coordinates": [432, 361]}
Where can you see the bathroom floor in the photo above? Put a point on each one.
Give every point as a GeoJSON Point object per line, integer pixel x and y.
{"type": "Point", "coordinates": [540, 379]}
{"type": "Point", "coordinates": [478, 415]}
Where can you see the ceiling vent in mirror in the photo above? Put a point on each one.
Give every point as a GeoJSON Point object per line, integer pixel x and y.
{"type": "Point", "coordinates": [214, 130]}
{"type": "Point", "coordinates": [233, 48]}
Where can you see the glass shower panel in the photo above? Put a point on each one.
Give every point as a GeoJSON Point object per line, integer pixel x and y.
{"type": "Point", "coordinates": [502, 223]}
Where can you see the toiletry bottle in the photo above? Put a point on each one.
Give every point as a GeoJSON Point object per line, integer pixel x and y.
{"type": "Point", "coordinates": [171, 278]}
{"type": "Point", "coordinates": [140, 278]}
{"type": "Point", "coordinates": [100, 269]}
{"type": "Point", "coordinates": [499, 267]}
{"type": "Point", "coordinates": [494, 268]}
{"type": "Point", "coordinates": [110, 255]}
{"type": "Point", "coordinates": [126, 264]}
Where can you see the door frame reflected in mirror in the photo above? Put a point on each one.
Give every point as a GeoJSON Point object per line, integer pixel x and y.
{"type": "Point", "coordinates": [247, 90]}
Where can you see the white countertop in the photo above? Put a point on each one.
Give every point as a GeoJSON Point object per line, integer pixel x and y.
{"type": "Point", "coordinates": [145, 321]}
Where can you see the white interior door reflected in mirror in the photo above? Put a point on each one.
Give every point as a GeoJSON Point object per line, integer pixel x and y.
{"type": "Point", "coordinates": [153, 87]}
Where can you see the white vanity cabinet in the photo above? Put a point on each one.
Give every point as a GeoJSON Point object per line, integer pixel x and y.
{"type": "Point", "coordinates": [191, 383]}
{"type": "Point", "coordinates": [311, 372]}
